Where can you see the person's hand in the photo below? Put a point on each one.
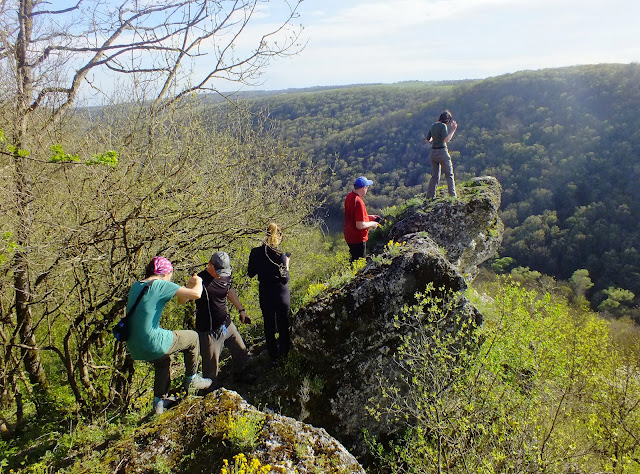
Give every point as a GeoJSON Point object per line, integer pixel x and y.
{"type": "Point", "coordinates": [374, 225]}
{"type": "Point", "coordinates": [244, 318]}
{"type": "Point", "coordinates": [194, 281]}
{"type": "Point", "coordinates": [454, 124]}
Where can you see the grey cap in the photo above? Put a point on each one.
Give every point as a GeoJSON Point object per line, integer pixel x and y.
{"type": "Point", "coordinates": [221, 262]}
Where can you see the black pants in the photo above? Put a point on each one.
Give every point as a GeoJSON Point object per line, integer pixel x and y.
{"type": "Point", "coordinates": [357, 251]}
{"type": "Point", "coordinates": [275, 303]}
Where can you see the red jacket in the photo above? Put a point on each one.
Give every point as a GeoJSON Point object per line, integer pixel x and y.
{"type": "Point", "coordinates": [355, 211]}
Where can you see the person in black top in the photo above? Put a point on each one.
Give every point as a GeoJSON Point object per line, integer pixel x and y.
{"type": "Point", "coordinates": [272, 267]}
{"type": "Point", "coordinates": [213, 323]}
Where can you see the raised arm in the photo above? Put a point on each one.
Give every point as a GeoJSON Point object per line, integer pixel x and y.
{"type": "Point", "coordinates": [191, 291]}
{"type": "Point", "coordinates": [454, 127]}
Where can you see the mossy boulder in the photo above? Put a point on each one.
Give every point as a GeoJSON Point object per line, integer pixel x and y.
{"type": "Point", "coordinates": [469, 229]}
{"type": "Point", "coordinates": [221, 430]}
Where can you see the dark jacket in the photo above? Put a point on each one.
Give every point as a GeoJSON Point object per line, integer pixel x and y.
{"type": "Point", "coordinates": [269, 265]}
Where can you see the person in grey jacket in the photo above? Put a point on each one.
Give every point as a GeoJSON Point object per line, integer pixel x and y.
{"type": "Point", "coordinates": [440, 133]}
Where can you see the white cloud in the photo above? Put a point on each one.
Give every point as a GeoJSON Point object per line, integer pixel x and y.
{"type": "Point", "coordinates": [385, 41]}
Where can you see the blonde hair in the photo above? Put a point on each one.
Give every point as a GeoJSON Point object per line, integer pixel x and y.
{"type": "Point", "coordinates": [274, 235]}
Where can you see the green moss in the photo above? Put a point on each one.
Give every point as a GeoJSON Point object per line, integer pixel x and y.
{"type": "Point", "coordinates": [336, 281]}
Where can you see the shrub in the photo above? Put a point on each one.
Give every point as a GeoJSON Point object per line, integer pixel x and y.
{"type": "Point", "coordinates": [545, 390]}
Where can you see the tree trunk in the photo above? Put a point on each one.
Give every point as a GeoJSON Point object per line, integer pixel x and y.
{"type": "Point", "coordinates": [22, 286]}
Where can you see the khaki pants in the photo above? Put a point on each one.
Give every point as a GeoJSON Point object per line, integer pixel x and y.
{"type": "Point", "coordinates": [211, 344]}
{"type": "Point", "coordinates": [183, 341]}
{"type": "Point", "coordinates": [440, 160]}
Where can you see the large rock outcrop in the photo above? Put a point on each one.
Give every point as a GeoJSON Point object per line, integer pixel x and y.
{"type": "Point", "coordinates": [203, 435]}
{"type": "Point", "coordinates": [469, 229]}
{"type": "Point", "coordinates": [344, 340]}
{"type": "Point", "coordinates": [347, 337]}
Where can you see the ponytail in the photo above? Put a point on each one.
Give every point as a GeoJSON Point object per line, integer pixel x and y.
{"type": "Point", "coordinates": [274, 235]}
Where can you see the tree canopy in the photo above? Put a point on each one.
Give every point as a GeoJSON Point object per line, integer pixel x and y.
{"type": "Point", "coordinates": [564, 143]}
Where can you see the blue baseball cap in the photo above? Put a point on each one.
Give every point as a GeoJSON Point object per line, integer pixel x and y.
{"type": "Point", "coordinates": [361, 182]}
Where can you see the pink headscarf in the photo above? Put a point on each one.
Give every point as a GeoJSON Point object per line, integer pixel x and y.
{"type": "Point", "coordinates": [161, 266]}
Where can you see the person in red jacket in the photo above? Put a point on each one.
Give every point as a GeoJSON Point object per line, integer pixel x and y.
{"type": "Point", "coordinates": [356, 220]}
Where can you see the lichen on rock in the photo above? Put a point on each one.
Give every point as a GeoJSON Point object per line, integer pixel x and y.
{"type": "Point", "coordinates": [348, 336]}
{"type": "Point", "coordinates": [203, 435]}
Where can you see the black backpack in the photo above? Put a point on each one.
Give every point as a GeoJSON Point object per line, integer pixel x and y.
{"type": "Point", "coordinates": [121, 331]}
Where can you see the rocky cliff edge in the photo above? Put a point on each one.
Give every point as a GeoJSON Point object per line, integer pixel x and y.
{"type": "Point", "coordinates": [347, 337]}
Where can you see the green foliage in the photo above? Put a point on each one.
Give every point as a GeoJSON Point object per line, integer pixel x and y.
{"type": "Point", "coordinates": [315, 257]}
{"type": "Point", "coordinates": [618, 300]}
{"type": "Point", "coordinates": [580, 282]}
{"type": "Point", "coordinates": [525, 274]}
{"type": "Point", "coordinates": [396, 210]}
{"type": "Point", "coordinates": [393, 249]}
{"type": "Point", "coordinates": [8, 247]}
{"type": "Point", "coordinates": [501, 265]}
{"type": "Point", "coordinates": [58, 155]}
{"type": "Point", "coordinates": [241, 431]}
{"type": "Point", "coordinates": [335, 281]}
{"type": "Point", "coordinates": [18, 151]}
{"type": "Point", "coordinates": [544, 390]}
{"type": "Point", "coordinates": [109, 158]}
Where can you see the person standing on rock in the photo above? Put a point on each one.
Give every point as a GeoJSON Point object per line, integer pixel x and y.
{"type": "Point", "coordinates": [148, 341]}
{"type": "Point", "coordinates": [213, 323]}
{"type": "Point", "coordinates": [439, 135]}
{"type": "Point", "coordinates": [272, 267]}
{"type": "Point", "coordinates": [356, 220]}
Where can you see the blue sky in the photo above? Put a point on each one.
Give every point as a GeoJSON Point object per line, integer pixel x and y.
{"type": "Point", "coordinates": [354, 41]}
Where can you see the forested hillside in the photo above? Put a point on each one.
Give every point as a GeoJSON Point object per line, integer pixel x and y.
{"type": "Point", "coordinates": [564, 143]}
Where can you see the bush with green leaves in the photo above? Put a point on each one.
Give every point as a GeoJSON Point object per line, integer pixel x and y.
{"type": "Point", "coordinates": [544, 390]}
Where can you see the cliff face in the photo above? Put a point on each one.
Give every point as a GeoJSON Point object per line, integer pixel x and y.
{"type": "Point", "coordinates": [347, 337]}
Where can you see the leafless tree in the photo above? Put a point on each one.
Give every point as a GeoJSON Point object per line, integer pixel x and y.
{"type": "Point", "coordinates": [53, 54]}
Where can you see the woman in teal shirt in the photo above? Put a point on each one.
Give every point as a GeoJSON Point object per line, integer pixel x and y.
{"type": "Point", "coordinates": [148, 341]}
{"type": "Point", "coordinates": [438, 137]}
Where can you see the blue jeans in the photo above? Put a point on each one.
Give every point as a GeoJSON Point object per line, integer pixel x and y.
{"type": "Point", "coordinates": [440, 160]}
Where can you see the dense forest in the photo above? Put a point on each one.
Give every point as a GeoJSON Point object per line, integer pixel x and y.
{"type": "Point", "coordinates": [564, 143]}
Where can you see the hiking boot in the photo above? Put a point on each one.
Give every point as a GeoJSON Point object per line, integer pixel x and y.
{"type": "Point", "coordinates": [159, 406]}
{"type": "Point", "coordinates": [195, 383]}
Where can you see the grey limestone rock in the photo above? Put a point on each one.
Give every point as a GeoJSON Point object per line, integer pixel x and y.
{"type": "Point", "coordinates": [469, 229]}
{"type": "Point", "coordinates": [347, 336]}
